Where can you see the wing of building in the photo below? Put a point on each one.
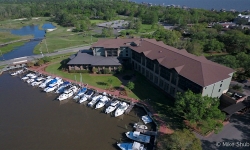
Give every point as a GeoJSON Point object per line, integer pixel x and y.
{"type": "Point", "coordinates": [171, 69]}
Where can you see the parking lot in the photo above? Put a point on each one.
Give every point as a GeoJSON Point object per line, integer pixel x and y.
{"type": "Point", "coordinates": [234, 136]}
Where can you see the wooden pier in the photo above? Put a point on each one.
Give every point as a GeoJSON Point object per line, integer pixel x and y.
{"type": "Point", "coordinates": [146, 132]}
{"type": "Point", "coordinates": [131, 106]}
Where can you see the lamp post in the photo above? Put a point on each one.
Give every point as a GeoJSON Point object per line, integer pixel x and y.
{"type": "Point", "coordinates": [41, 51]}
{"type": "Point", "coordinates": [2, 54]}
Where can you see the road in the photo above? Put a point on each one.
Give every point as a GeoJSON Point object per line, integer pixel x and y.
{"type": "Point", "coordinates": [32, 57]}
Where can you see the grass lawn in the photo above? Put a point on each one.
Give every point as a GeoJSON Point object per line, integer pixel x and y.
{"type": "Point", "coordinates": [97, 81]}
{"type": "Point", "coordinates": [1, 67]}
{"type": "Point", "coordinates": [61, 38]}
{"type": "Point", "coordinates": [16, 24]}
{"type": "Point", "coordinates": [10, 47]}
{"type": "Point", "coordinates": [97, 21]}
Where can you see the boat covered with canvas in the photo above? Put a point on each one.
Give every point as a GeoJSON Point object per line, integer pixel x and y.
{"type": "Point", "coordinates": [131, 146]}
{"type": "Point", "coordinates": [137, 136]}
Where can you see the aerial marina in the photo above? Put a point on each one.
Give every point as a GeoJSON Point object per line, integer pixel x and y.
{"type": "Point", "coordinates": [107, 104]}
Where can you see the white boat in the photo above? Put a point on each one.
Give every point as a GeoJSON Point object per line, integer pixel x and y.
{"type": "Point", "coordinates": [94, 100]}
{"type": "Point", "coordinates": [65, 95]}
{"type": "Point", "coordinates": [33, 76]}
{"type": "Point", "coordinates": [104, 100]}
{"type": "Point", "coordinates": [51, 88]}
{"type": "Point", "coordinates": [86, 96]}
{"type": "Point", "coordinates": [44, 84]}
{"type": "Point", "coordinates": [17, 72]}
{"type": "Point", "coordinates": [62, 87]}
{"type": "Point", "coordinates": [27, 76]}
{"type": "Point", "coordinates": [56, 81]}
{"type": "Point", "coordinates": [146, 119]}
{"type": "Point", "coordinates": [30, 80]}
{"type": "Point", "coordinates": [71, 88]}
{"type": "Point", "coordinates": [121, 109]}
{"type": "Point", "coordinates": [137, 136]}
{"type": "Point", "coordinates": [36, 83]}
{"type": "Point", "coordinates": [131, 146]}
{"type": "Point", "coordinates": [140, 126]}
{"type": "Point", "coordinates": [112, 106]}
{"type": "Point", "coordinates": [80, 93]}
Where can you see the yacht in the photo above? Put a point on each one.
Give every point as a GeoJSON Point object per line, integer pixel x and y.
{"type": "Point", "coordinates": [37, 82]}
{"type": "Point", "coordinates": [44, 84]}
{"type": "Point", "coordinates": [104, 100]}
{"type": "Point", "coordinates": [80, 93]}
{"type": "Point", "coordinates": [112, 106]}
{"type": "Point", "coordinates": [137, 136]}
{"type": "Point", "coordinates": [56, 81]}
{"type": "Point", "coordinates": [71, 88]}
{"type": "Point", "coordinates": [86, 96]}
{"type": "Point", "coordinates": [94, 100]}
{"type": "Point", "coordinates": [28, 76]}
{"type": "Point", "coordinates": [30, 80]}
{"type": "Point", "coordinates": [62, 87]}
{"type": "Point", "coordinates": [121, 109]}
{"type": "Point", "coordinates": [66, 95]}
{"type": "Point", "coordinates": [140, 126]}
{"type": "Point", "coordinates": [51, 88]}
{"type": "Point", "coordinates": [131, 146]}
{"type": "Point", "coordinates": [17, 72]}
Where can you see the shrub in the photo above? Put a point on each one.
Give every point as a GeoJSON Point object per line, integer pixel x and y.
{"type": "Point", "coordinates": [40, 62]}
{"type": "Point", "coordinates": [78, 71]}
{"type": "Point", "coordinates": [106, 71]}
{"type": "Point", "coordinates": [46, 59]}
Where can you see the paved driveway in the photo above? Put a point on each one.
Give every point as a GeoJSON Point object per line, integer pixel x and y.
{"type": "Point", "coordinates": [234, 136]}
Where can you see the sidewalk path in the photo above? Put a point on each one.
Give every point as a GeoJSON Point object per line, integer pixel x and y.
{"type": "Point", "coordinates": [162, 125]}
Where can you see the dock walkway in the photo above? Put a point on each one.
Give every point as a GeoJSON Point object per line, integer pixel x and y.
{"type": "Point", "coordinates": [131, 106]}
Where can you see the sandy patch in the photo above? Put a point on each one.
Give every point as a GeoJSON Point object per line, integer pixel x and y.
{"type": "Point", "coordinates": [36, 18]}
{"type": "Point", "coordinates": [49, 30]}
{"type": "Point", "coordinates": [69, 29]}
{"type": "Point", "coordinates": [20, 19]}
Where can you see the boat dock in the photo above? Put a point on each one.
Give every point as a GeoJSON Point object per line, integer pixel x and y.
{"type": "Point", "coordinates": [131, 106]}
{"type": "Point", "coordinates": [146, 132]}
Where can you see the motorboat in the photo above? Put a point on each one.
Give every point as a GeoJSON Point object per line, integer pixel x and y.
{"type": "Point", "coordinates": [30, 80]}
{"type": "Point", "coordinates": [62, 87]}
{"type": "Point", "coordinates": [17, 72]}
{"type": "Point", "coordinates": [44, 84]}
{"type": "Point", "coordinates": [104, 100]}
{"type": "Point", "coordinates": [28, 76]}
{"type": "Point", "coordinates": [51, 88]}
{"type": "Point", "coordinates": [131, 146]}
{"type": "Point", "coordinates": [33, 76]}
{"type": "Point", "coordinates": [80, 93]}
{"type": "Point", "coordinates": [112, 106]}
{"type": "Point", "coordinates": [71, 88]}
{"type": "Point", "coordinates": [56, 81]}
{"type": "Point", "coordinates": [94, 100]}
{"type": "Point", "coordinates": [86, 96]}
{"type": "Point", "coordinates": [137, 136]}
{"type": "Point", "coordinates": [66, 95]}
{"type": "Point", "coordinates": [121, 109]}
{"type": "Point", "coordinates": [36, 83]}
{"type": "Point", "coordinates": [140, 126]}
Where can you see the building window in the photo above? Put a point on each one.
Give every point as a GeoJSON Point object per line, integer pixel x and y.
{"type": "Point", "coordinates": [150, 64]}
{"type": "Point", "coordinates": [161, 83]}
{"type": "Point", "coordinates": [151, 76]}
{"type": "Point", "coordinates": [219, 90]}
{"type": "Point", "coordinates": [220, 85]}
{"type": "Point", "coordinates": [126, 54]}
{"type": "Point", "coordinates": [156, 80]}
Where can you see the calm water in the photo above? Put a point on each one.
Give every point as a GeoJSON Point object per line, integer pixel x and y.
{"type": "Point", "coordinates": [27, 48]}
{"type": "Point", "coordinates": [239, 5]}
{"type": "Point", "coordinates": [31, 119]}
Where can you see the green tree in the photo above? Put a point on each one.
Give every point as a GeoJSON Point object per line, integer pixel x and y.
{"type": "Point", "coordinates": [130, 85]}
{"type": "Point", "coordinates": [213, 45]}
{"type": "Point", "coordinates": [180, 140]}
{"type": "Point", "coordinates": [200, 109]}
{"type": "Point", "coordinates": [46, 59]}
{"type": "Point", "coordinates": [40, 62]}
{"type": "Point", "coordinates": [195, 48]}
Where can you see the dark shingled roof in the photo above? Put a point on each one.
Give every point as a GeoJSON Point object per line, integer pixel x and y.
{"type": "Point", "coordinates": [84, 58]}
{"type": "Point", "coordinates": [195, 68]}
{"type": "Point", "coordinates": [236, 107]}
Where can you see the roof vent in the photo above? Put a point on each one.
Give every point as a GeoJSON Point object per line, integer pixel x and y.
{"type": "Point", "coordinates": [160, 51]}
